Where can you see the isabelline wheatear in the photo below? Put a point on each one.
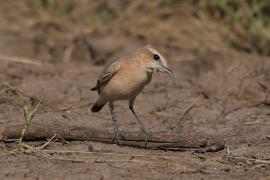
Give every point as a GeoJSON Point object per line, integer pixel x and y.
{"type": "Point", "coordinates": [125, 78]}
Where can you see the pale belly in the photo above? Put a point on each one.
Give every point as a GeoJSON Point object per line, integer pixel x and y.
{"type": "Point", "coordinates": [125, 86]}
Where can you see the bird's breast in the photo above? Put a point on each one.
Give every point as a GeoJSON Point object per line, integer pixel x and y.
{"type": "Point", "coordinates": [126, 84]}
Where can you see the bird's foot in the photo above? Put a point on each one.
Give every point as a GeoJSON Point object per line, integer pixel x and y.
{"type": "Point", "coordinates": [147, 136]}
{"type": "Point", "coordinates": [117, 136]}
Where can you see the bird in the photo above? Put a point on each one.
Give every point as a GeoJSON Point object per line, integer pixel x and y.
{"type": "Point", "coordinates": [125, 78]}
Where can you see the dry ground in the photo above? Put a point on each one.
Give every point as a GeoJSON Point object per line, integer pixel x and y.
{"type": "Point", "coordinates": [218, 94]}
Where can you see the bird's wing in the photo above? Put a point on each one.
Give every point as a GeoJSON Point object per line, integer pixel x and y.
{"type": "Point", "coordinates": [107, 74]}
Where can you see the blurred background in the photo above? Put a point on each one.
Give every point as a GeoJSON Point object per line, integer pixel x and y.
{"type": "Point", "coordinates": [95, 31]}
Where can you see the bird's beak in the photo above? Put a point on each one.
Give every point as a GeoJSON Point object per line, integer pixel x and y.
{"type": "Point", "coordinates": [168, 71]}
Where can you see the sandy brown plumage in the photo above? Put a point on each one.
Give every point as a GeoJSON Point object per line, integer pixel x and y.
{"type": "Point", "coordinates": [125, 78]}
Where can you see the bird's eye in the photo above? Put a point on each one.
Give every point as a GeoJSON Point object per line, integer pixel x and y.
{"type": "Point", "coordinates": [156, 57]}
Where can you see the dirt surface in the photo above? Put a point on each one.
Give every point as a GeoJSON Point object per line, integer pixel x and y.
{"type": "Point", "coordinates": [218, 94]}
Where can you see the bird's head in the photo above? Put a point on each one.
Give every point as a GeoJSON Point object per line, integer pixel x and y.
{"type": "Point", "coordinates": [154, 61]}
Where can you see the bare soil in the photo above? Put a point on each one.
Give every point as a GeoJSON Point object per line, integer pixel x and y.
{"type": "Point", "coordinates": [218, 94]}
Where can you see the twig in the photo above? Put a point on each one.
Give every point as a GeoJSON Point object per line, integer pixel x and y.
{"type": "Point", "coordinates": [248, 159]}
{"type": "Point", "coordinates": [19, 60]}
{"type": "Point", "coordinates": [62, 139]}
{"type": "Point", "coordinates": [100, 161]}
{"type": "Point", "coordinates": [33, 149]}
{"type": "Point", "coordinates": [113, 154]}
{"type": "Point", "coordinates": [186, 112]}
{"type": "Point", "coordinates": [45, 155]}
{"type": "Point", "coordinates": [40, 152]}
{"type": "Point", "coordinates": [170, 142]}
{"type": "Point", "coordinates": [72, 160]}
{"type": "Point", "coordinates": [47, 143]}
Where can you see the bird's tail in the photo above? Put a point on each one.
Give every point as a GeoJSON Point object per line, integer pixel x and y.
{"type": "Point", "coordinates": [94, 89]}
{"type": "Point", "coordinates": [97, 107]}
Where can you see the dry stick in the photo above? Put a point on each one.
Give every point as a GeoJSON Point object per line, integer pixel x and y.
{"type": "Point", "coordinates": [250, 159]}
{"type": "Point", "coordinates": [19, 59]}
{"type": "Point", "coordinates": [121, 161]}
{"type": "Point", "coordinates": [187, 111]}
{"type": "Point", "coordinates": [21, 93]}
{"type": "Point", "coordinates": [37, 151]}
{"type": "Point", "coordinates": [47, 143]}
{"type": "Point", "coordinates": [170, 157]}
{"type": "Point", "coordinates": [43, 154]}
{"type": "Point", "coordinates": [171, 142]}
{"type": "Point", "coordinates": [33, 149]}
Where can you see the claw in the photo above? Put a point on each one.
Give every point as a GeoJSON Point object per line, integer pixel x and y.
{"type": "Point", "coordinates": [116, 136]}
{"type": "Point", "coordinates": [147, 136]}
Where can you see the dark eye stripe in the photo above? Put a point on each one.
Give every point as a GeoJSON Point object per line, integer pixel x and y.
{"type": "Point", "coordinates": [156, 57]}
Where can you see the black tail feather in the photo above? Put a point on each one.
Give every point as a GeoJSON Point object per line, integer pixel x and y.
{"type": "Point", "coordinates": [94, 89]}
{"type": "Point", "coordinates": [97, 108]}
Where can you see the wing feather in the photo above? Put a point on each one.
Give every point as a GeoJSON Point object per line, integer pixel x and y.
{"type": "Point", "coordinates": [106, 75]}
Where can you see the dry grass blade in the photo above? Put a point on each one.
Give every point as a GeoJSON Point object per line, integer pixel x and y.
{"type": "Point", "coordinates": [47, 143]}
{"type": "Point", "coordinates": [44, 153]}
{"type": "Point", "coordinates": [47, 156]}
{"type": "Point", "coordinates": [33, 149]}
{"type": "Point", "coordinates": [99, 161]}
{"type": "Point", "coordinates": [253, 160]}
{"type": "Point", "coordinates": [113, 154]}
{"type": "Point", "coordinates": [19, 60]}
{"type": "Point", "coordinates": [190, 107]}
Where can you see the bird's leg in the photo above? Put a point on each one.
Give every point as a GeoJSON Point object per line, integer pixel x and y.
{"type": "Point", "coordinates": [146, 134]}
{"type": "Point", "coordinates": [116, 133]}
